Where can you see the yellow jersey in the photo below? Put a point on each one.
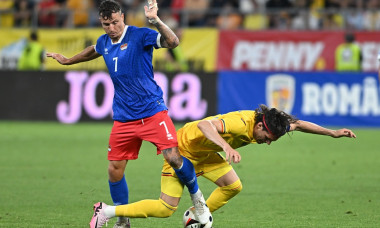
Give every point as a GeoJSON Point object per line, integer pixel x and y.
{"type": "Point", "coordinates": [237, 131]}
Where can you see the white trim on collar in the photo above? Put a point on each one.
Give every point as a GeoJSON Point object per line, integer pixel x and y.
{"type": "Point", "coordinates": [122, 36]}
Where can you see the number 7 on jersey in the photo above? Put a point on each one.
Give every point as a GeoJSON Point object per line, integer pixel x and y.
{"type": "Point", "coordinates": [115, 59]}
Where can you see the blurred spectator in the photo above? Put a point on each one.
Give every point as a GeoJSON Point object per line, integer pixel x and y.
{"type": "Point", "coordinates": [371, 17]}
{"type": "Point", "coordinates": [33, 55]}
{"type": "Point", "coordinates": [332, 21]}
{"type": "Point", "coordinates": [46, 14]}
{"type": "Point", "coordinates": [135, 13]}
{"type": "Point", "coordinates": [348, 56]}
{"type": "Point", "coordinates": [196, 12]}
{"type": "Point", "coordinates": [164, 4]}
{"type": "Point", "coordinates": [6, 15]}
{"type": "Point", "coordinates": [224, 14]}
{"type": "Point", "coordinates": [23, 10]}
{"type": "Point", "coordinates": [229, 18]}
{"type": "Point", "coordinates": [300, 16]}
{"type": "Point", "coordinates": [215, 8]}
{"type": "Point", "coordinates": [61, 13]}
{"type": "Point", "coordinates": [332, 4]}
{"type": "Point", "coordinates": [316, 16]}
{"type": "Point", "coordinates": [354, 16]}
{"type": "Point", "coordinates": [248, 6]}
{"type": "Point", "coordinates": [80, 12]}
{"type": "Point", "coordinates": [94, 16]}
{"type": "Point", "coordinates": [177, 6]}
{"type": "Point", "coordinates": [254, 14]}
{"type": "Point", "coordinates": [278, 14]}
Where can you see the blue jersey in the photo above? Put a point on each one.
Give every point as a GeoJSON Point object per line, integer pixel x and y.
{"type": "Point", "coordinates": [129, 62]}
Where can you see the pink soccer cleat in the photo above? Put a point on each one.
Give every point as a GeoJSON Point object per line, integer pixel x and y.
{"type": "Point", "coordinates": [99, 218]}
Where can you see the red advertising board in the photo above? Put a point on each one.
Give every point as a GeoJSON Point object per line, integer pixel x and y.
{"type": "Point", "coordinates": [290, 51]}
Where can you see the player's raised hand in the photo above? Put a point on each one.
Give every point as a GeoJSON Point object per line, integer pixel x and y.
{"type": "Point", "coordinates": [151, 11]}
{"type": "Point", "coordinates": [344, 133]}
{"type": "Point", "coordinates": [232, 155]}
{"type": "Point", "coordinates": [60, 58]}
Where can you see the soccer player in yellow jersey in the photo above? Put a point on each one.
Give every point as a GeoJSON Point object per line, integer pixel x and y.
{"type": "Point", "coordinates": [201, 141]}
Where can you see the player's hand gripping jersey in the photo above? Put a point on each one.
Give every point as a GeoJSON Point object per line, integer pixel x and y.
{"type": "Point", "coordinates": [137, 94]}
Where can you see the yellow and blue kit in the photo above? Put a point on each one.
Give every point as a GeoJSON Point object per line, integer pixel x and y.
{"type": "Point", "coordinates": [237, 130]}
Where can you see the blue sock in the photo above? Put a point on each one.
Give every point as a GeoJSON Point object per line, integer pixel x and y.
{"type": "Point", "coordinates": [119, 191]}
{"type": "Point", "coordinates": [187, 175]}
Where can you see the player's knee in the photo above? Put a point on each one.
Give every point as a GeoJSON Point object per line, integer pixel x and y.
{"type": "Point", "coordinates": [173, 158]}
{"type": "Point", "coordinates": [234, 188]}
{"type": "Point", "coordinates": [115, 175]}
{"type": "Point", "coordinates": [238, 189]}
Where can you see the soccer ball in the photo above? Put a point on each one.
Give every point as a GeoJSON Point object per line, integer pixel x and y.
{"type": "Point", "coordinates": [191, 221]}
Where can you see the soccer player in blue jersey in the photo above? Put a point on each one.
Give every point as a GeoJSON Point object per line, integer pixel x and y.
{"type": "Point", "coordinates": [139, 111]}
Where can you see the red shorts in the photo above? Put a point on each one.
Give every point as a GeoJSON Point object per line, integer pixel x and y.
{"type": "Point", "coordinates": [126, 138]}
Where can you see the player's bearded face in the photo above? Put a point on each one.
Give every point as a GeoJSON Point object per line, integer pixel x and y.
{"type": "Point", "coordinates": [114, 26]}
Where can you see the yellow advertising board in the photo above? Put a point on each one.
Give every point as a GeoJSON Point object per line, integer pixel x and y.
{"type": "Point", "coordinates": [65, 41]}
{"type": "Point", "coordinates": [198, 45]}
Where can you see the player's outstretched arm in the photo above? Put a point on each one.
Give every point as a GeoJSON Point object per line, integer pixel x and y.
{"type": "Point", "coordinates": [313, 128]}
{"type": "Point", "coordinates": [211, 129]}
{"type": "Point", "coordinates": [168, 38]}
{"type": "Point", "coordinates": [87, 54]}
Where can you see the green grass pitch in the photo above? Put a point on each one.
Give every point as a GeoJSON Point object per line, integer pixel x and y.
{"type": "Point", "coordinates": [51, 174]}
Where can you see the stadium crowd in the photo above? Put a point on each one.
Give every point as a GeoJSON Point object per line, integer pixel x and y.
{"type": "Point", "coordinates": [223, 14]}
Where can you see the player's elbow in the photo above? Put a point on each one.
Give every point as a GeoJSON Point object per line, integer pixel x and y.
{"type": "Point", "coordinates": [203, 124]}
{"type": "Point", "coordinates": [173, 42]}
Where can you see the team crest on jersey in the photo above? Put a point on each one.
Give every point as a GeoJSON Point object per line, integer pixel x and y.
{"type": "Point", "coordinates": [123, 46]}
{"type": "Point", "coordinates": [106, 51]}
{"type": "Point", "coordinates": [280, 92]}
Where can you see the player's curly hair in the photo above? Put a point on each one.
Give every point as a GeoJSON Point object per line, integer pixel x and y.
{"type": "Point", "coordinates": [277, 121]}
{"type": "Point", "coordinates": [107, 8]}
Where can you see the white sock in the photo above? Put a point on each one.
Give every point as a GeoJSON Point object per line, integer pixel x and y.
{"type": "Point", "coordinates": [198, 194]}
{"type": "Point", "coordinates": [110, 211]}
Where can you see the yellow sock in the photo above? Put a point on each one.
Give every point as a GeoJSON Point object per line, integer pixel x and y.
{"type": "Point", "coordinates": [146, 208]}
{"type": "Point", "coordinates": [220, 196]}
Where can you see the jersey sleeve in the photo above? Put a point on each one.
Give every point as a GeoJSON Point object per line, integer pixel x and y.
{"type": "Point", "coordinates": [233, 125]}
{"type": "Point", "coordinates": [378, 56]}
{"type": "Point", "coordinates": [99, 47]}
{"type": "Point", "coordinates": [151, 38]}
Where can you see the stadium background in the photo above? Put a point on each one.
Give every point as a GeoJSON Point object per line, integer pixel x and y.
{"type": "Point", "coordinates": [293, 71]}
{"type": "Point", "coordinates": [281, 56]}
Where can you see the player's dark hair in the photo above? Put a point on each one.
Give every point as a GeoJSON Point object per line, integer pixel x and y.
{"type": "Point", "coordinates": [107, 8]}
{"type": "Point", "coordinates": [275, 121]}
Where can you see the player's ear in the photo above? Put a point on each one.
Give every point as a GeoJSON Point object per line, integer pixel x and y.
{"type": "Point", "coordinates": [259, 126]}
